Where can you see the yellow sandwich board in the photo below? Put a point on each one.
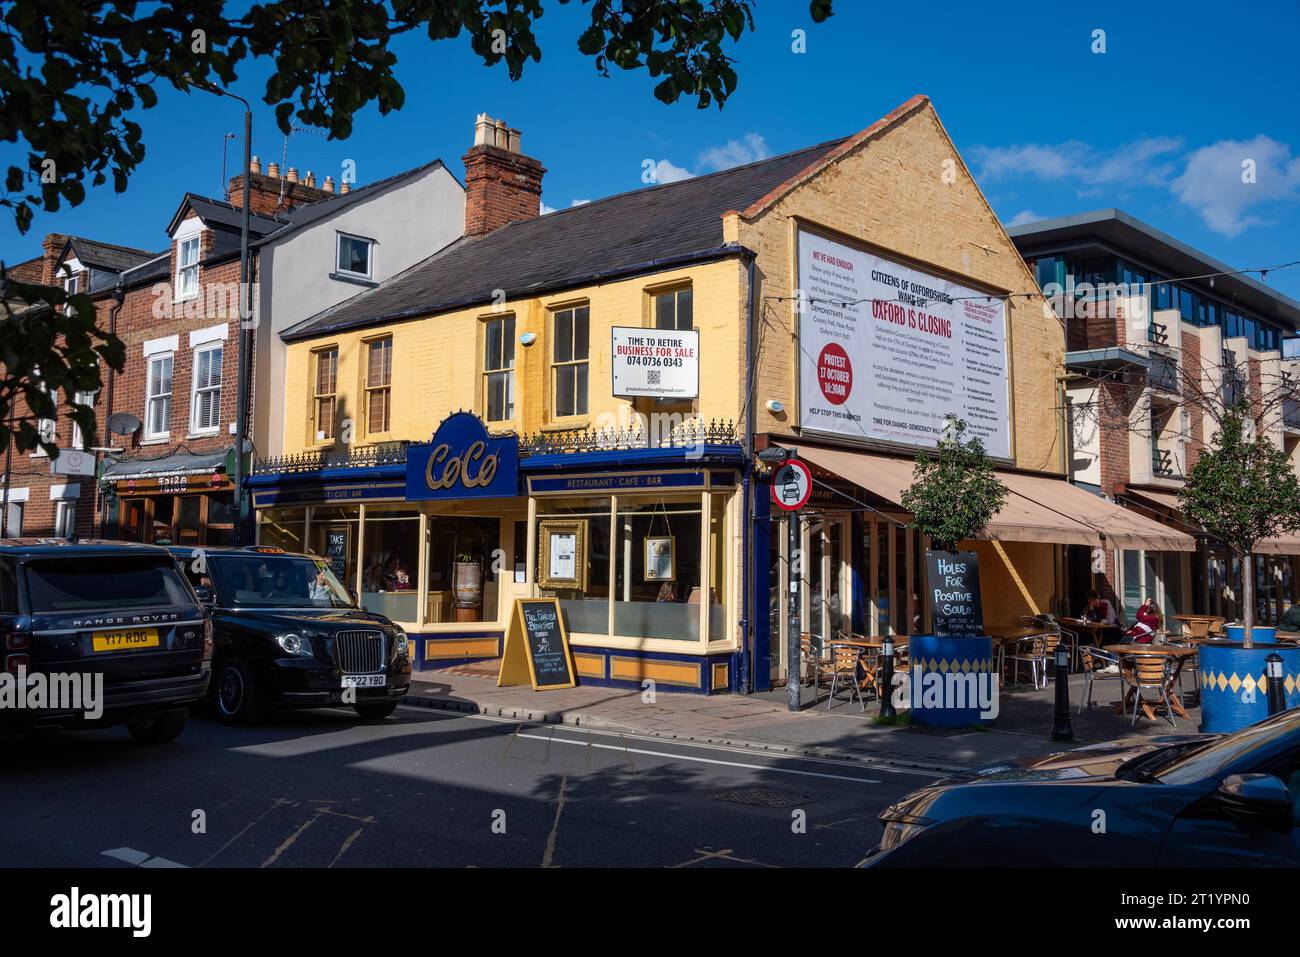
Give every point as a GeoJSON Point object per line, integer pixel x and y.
{"type": "Point", "coordinates": [537, 647]}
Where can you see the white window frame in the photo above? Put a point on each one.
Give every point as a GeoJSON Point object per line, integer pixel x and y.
{"type": "Point", "coordinates": [17, 505]}
{"type": "Point", "coordinates": [370, 255]}
{"type": "Point", "coordinates": [195, 428]}
{"type": "Point", "coordinates": [82, 398]}
{"type": "Point", "coordinates": [150, 397]}
{"type": "Point", "coordinates": [47, 429]}
{"type": "Point", "coordinates": [185, 269]}
{"type": "Point", "coordinates": [65, 517]}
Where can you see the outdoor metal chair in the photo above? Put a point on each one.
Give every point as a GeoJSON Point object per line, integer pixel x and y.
{"type": "Point", "coordinates": [844, 670]}
{"type": "Point", "coordinates": [814, 659]}
{"type": "Point", "coordinates": [1098, 665]}
{"type": "Point", "coordinates": [1149, 674]}
{"type": "Point", "coordinates": [1037, 651]}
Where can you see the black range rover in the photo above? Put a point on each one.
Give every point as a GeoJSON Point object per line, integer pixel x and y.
{"type": "Point", "coordinates": [100, 633]}
{"type": "Point", "coordinates": [287, 633]}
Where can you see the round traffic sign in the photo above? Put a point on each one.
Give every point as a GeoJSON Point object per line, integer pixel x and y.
{"type": "Point", "coordinates": [792, 485]}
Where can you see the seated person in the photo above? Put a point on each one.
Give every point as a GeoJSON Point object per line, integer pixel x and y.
{"type": "Point", "coordinates": [667, 592]}
{"type": "Point", "coordinates": [1101, 611]}
{"type": "Point", "coordinates": [399, 575]}
{"type": "Point", "coordinates": [1290, 620]}
{"type": "Point", "coordinates": [1147, 624]}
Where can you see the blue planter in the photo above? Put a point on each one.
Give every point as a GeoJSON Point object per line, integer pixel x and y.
{"type": "Point", "coordinates": [1234, 689]}
{"type": "Point", "coordinates": [954, 681]}
{"type": "Point", "coordinates": [1259, 634]}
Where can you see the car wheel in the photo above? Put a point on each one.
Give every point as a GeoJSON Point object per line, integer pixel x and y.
{"type": "Point", "coordinates": [236, 693]}
{"type": "Point", "coordinates": [166, 727]}
{"type": "Point", "coordinates": [375, 712]}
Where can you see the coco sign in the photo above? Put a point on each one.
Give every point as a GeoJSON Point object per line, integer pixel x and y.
{"type": "Point", "coordinates": [462, 461]}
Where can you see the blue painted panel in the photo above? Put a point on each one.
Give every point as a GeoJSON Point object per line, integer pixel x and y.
{"type": "Point", "coordinates": [462, 462]}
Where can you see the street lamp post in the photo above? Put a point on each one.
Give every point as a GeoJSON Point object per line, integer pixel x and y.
{"type": "Point", "coordinates": [245, 321]}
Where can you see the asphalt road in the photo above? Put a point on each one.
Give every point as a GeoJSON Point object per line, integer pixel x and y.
{"type": "Point", "coordinates": [429, 789]}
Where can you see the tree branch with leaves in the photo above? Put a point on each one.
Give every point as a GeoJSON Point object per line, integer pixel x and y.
{"type": "Point", "coordinates": [955, 492]}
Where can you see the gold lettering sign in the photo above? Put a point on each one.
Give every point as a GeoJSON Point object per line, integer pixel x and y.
{"type": "Point", "coordinates": [458, 468]}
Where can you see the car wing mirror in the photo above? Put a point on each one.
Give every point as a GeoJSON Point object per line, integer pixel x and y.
{"type": "Point", "coordinates": [1261, 799]}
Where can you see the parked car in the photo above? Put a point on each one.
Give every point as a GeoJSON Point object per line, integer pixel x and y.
{"type": "Point", "coordinates": [73, 616]}
{"type": "Point", "coordinates": [1174, 801]}
{"type": "Point", "coordinates": [288, 634]}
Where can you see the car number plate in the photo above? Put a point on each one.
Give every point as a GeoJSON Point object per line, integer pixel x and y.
{"type": "Point", "coordinates": [126, 639]}
{"type": "Point", "coordinates": [364, 681]}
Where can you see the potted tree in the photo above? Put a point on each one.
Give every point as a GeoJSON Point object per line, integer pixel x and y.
{"type": "Point", "coordinates": [1242, 489]}
{"type": "Point", "coordinates": [954, 493]}
{"type": "Point", "coordinates": [467, 580]}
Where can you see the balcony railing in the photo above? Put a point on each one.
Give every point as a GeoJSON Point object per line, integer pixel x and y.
{"type": "Point", "coordinates": [1291, 413]}
{"type": "Point", "coordinates": [1163, 372]}
{"type": "Point", "coordinates": [1158, 333]}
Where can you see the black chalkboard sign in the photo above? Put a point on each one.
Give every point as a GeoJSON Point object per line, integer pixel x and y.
{"type": "Point", "coordinates": [955, 606]}
{"type": "Point", "coordinates": [537, 647]}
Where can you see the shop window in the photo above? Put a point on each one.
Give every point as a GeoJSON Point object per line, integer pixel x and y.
{"type": "Point", "coordinates": [326, 387]}
{"type": "Point", "coordinates": [158, 396]}
{"type": "Point", "coordinates": [465, 567]}
{"type": "Point", "coordinates": [573, 539]}
{"type": "Point", "coordinates": [674, 309]}
{"type": "Point", "coordinates": [658, 590]}
{"type": "Point", "coordinates": [220, 521]}
{"type": "Point", "coordinates": [498, 369]}
{"type": "Point", "coordinates": [569, 361]}
{"type": "Point", "coordinates": [334, 537]}
{"type": "Point", "coordinates": [379, 380]}
{"type": "Point", "coordinates": [281, 527]}
{"type": "Point", "coordinates": [719, 561]}
{"type": "Point", "coordinates": [205, 403]}
{"type": "Point", "coordinates": [189, 518]}
{"type": "Point", "coordinates": [391, 560]}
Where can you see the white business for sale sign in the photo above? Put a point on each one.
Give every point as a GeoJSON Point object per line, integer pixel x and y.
{"type": "Point", "coordinates": [887, 351]}
{"type": "Point", "coordinates": [661, 363]}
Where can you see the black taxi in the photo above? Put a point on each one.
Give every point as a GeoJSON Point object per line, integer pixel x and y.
{"type": "Point", "coordinates": [287, 633]}
{"type": "Point", "coordinates": [94, 634]}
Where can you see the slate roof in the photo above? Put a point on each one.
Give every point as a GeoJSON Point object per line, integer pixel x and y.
{"type": "Point", "coordinates": [216, 212]}
{"type": "Point", "coordinates": [107, 256]}
{"type": "Point", "coordinates": [619, 235]}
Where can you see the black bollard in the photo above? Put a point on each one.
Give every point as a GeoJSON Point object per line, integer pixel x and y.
{"type": "Point", "coordinates": [887, 678]}
{"type": "Point", "coordinates": [1061, 729]}
{"type": "Point", "coordinates": [1276, 693]}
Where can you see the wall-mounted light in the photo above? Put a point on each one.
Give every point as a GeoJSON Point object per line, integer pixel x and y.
{"type": "Point", "coordinates": [527, 338]}
{"type": "Point", "coordinates": [775, 406]}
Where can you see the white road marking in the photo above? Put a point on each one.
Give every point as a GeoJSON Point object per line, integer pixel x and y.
{"type": "Point", "coordinates": [697, 760]}
{"type": "Point", "coordinates": [676, 742]}
{"type": "Point", "coordinates": [130, 855]}
{"type": "Point", "coordinates": [549, 854]}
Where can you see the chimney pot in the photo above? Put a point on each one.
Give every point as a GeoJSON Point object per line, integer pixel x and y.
{"type": "Point", "coordinates": [273, 170]}
{"type": "Point", "coordinates": [255, 165]}
{"type": "Point", "coordinates": [501, 184]}
{"type": "Point", "coordinates": [345, 187]}
{"type": "Point", "coordinates": [328, 185]}
{"type": "Point", "coordinates": [311, 179]}
{"type": "Point", "coordinates": [292, 175]}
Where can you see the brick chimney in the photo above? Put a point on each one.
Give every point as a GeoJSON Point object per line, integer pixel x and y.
{"type": "Point", "coordinates": [51, 250]}
{"type": "Point", "coordinates": [268, 193]}
{"type": "Point", "coordinates": [501, 184]}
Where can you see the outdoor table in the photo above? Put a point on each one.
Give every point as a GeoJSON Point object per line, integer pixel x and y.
{"type": "Point", "coordinates": [1198, 623]}
{"type": "Point", "coordinates": [1178, 652]}
{"type": "Point", "coordinates": [868, 644]}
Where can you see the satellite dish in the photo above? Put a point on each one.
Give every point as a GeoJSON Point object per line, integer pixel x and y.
{"type": "Point", "coordinates": [123, 423]}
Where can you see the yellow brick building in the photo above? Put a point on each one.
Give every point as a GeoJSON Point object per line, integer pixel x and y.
{"type": "Point", "coordinates": [644, 513]}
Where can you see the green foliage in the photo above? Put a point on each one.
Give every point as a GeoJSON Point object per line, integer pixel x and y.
{"type": "Point", "coordinates": [48, 341]}
{"type": "Point", "coordinates": [73, 70]}
{"type": "Point", "coordinates": [955, 492]}
{"type": "Point", "coordinates": [1242, 489]}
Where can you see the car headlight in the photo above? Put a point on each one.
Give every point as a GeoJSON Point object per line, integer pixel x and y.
{"type": "Point", "coordinates": [403, 643]}
{"type": "Point", "coordinates": [294, 644]}
{"type": "Point", "coordinates": [896, 832]}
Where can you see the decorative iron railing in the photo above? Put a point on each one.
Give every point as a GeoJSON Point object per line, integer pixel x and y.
{"type": "Point", "coordinates": [366, 456]}
{"type": "Point", "coordinates": [673, 433]}
{"type": "Point", "coordinates": [1158, 333]}
{"type": "Point", "coordinates": [1162, 463]}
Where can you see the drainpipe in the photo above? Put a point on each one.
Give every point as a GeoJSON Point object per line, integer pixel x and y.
{"type": "Point", "coordinates": [748, 600]}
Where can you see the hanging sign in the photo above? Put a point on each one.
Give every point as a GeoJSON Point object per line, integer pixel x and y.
{"type": "Point", "coordinates": [791, 485]}
{"type": "Point", "coordinates": [955, 605]}
{"type": "Point", "coordinates": [537, 647]}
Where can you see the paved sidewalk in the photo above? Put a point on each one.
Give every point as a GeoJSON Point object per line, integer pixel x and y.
{"type": "Point", "coordinates": [762, 721]}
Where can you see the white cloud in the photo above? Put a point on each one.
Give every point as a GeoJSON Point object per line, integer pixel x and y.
{"type": "Point", "coordinates": [579, 202]}
{"type": "Point", "coordinates": [666, 172]}
{"type": "Point", "coordinates": [1146, 161]}
{"type": "Point", "coordinates": [547, 209]}
{"type": "Point", "coordinates": [750, 148]}
{"type": "Point", "coordinates": [1215, 181]}
{"type": "Point", "coordinates": [1024, 216]}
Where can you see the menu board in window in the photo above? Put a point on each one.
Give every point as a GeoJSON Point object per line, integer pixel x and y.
{"type": "Point", "coordinates": [537, 647]}
{"type": "Point", "coordinates": [336, 550]}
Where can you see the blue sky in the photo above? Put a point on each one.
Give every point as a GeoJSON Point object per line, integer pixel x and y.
{"type": "Point", "coordinates": [1158, 124]}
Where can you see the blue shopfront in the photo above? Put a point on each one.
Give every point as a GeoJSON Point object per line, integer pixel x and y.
{"type": "Point", "coordinates": [641, 545]}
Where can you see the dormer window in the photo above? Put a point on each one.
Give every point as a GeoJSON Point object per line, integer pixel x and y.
{"type": "Point", "coordinates": [187, 268]}
{"type": "Point", "coordinates": [353, 256]}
